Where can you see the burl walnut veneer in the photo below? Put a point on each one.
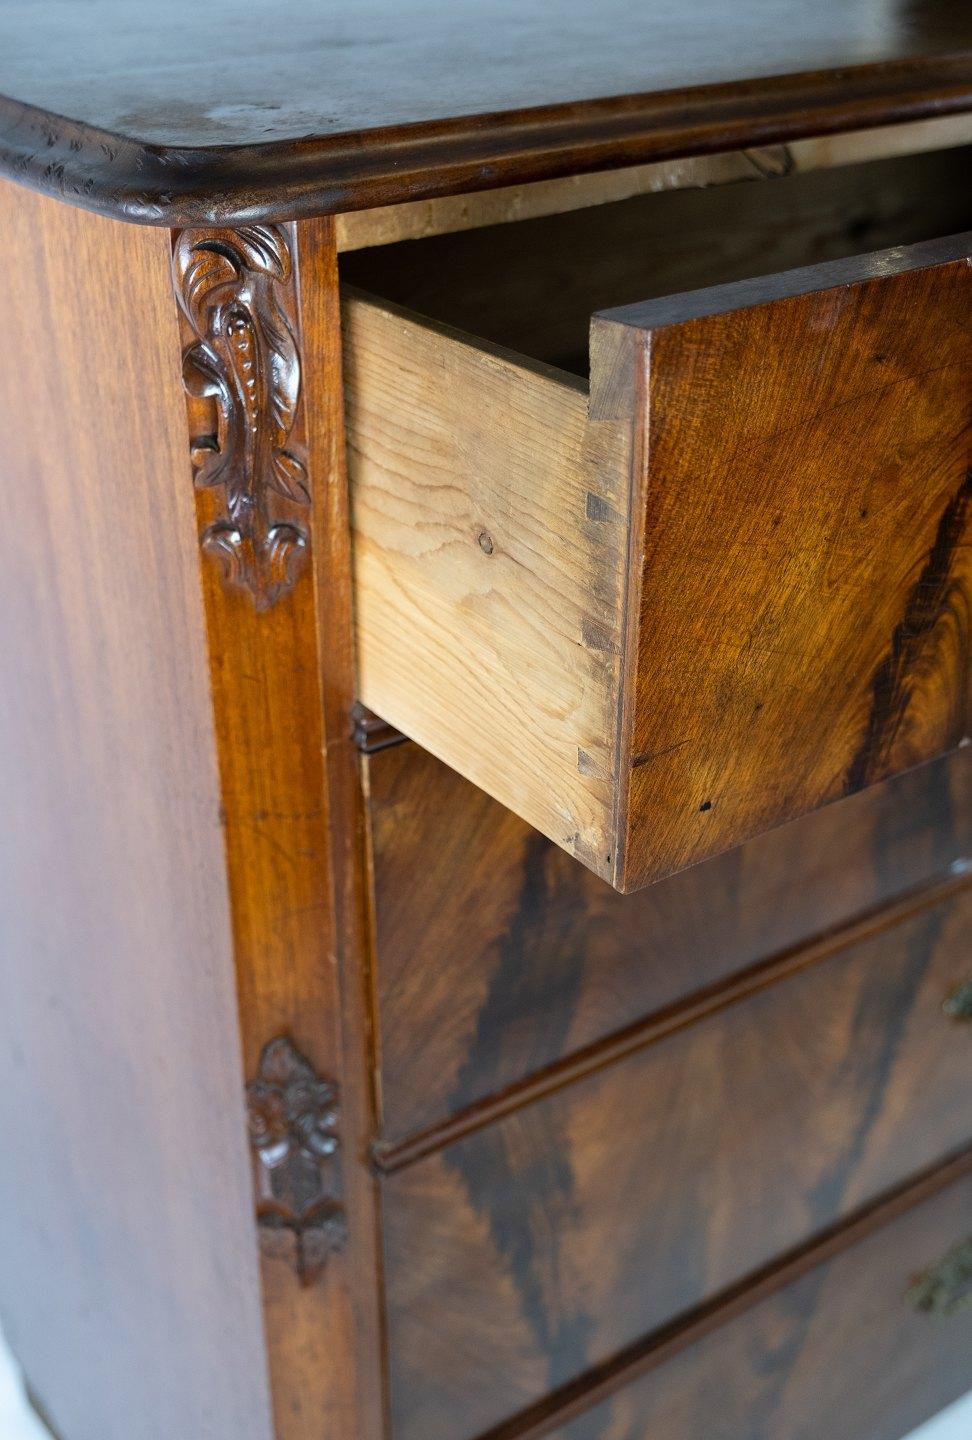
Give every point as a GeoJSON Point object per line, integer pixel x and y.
{"type": "Point", "coordinates": [485, 700]}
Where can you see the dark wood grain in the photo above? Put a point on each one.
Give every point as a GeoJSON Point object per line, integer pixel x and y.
{"type": "Point", "coordinates": [492, 970]}
{"type": "Point", "coordinates": [818, 636]}
{"type": "Point", "coordinates": [548, 1242]}
{"type": "Point", "coordinates": [832, 1347]}
{"type": "Point", "coordinates": [129, 1286]}
{"type": "Point", "coordinates": [200, 115]}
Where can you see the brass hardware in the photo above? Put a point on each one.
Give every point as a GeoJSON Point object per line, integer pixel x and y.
{"type": "Point", "coordinates": [946, 1289]}
{"type": "Point", "coordinates": [959, 1003]}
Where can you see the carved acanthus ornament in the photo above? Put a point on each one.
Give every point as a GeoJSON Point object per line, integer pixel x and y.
{"type": "Point", "coordinates": [293, 1120]}
{"type": "Point", "coordinates": [235, 289]}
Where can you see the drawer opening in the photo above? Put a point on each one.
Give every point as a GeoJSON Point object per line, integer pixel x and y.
{"type": "Point", "coordinates": [718, 579]}
{"type": "Point", "coordinates": [532, 286]}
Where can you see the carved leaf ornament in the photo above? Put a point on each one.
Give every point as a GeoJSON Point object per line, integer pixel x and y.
{"type": "Point", "coordinates": [230, 286]}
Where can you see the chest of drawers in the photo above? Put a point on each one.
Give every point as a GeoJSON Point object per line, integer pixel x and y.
{"type": "Point", "coordinates": [486, 653]}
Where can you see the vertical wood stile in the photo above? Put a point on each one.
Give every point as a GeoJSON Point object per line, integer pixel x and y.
{"type": "Point", "coordinates": [279, 629]}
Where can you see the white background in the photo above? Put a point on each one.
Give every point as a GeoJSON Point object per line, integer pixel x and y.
{"type": "Point", "coordinates": [18, 1423]}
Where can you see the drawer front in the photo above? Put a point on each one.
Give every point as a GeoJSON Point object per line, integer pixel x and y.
{"type": "Point", "coordinates": [865, 1345]}
{"type": "Point", "coordinates": [729, 586]}
{"type": "Point", "coordinates": [497, 955]}
{"type": "Point", "coordinates": [528, 1251]}
{"type": "Point", "coordinates": [805, 623]}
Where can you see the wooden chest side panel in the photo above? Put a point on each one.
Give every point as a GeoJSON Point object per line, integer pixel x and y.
{"type": "Point", "coordinates": [529, 1251]}
{"type": "Point", "coordinates": [840, 1352]}
{"type": "Point", "coordinates": [497, 955]}
{"type": "Point", "coordinates": [805, 625]}
{"type": "Point", "coordinates": [128, 1281]}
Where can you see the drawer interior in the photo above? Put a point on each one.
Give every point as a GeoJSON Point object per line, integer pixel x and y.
{"type": "Point", "coordinates": [533, 285]}
{"type": "Point", "coordinates": [720, 579]}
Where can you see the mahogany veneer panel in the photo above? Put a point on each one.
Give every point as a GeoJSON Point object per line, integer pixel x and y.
{"type": "Point", "coordinates": [497, 955]}
{"type": "Point", "coordinates": [804, 625]}
{"type": "Point", "coordinates": [128, 1282]}
{"type": "Point", "coordinates": [528, 1251]}
{"type": "Point", "coordinates": [837, 1352]}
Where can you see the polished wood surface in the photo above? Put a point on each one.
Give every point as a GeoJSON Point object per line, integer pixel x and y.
{"type": "Point", "coordinates": [818, 639]}
{"type": "Point", "coordinates": [208, 115]}
{"type": "Point", "coordinates": [526, 1156]}
{"type": "Point", "coordinates": [490, 973]}
{"type": "Point", "coordinates": [771, 614]}
{"type": "Point", "coordinates": [282, 692]}
{"type": "Point", "coordinates": [128, 1279]}
{"type": "Point", "coordinates": [542, 1244]}
{"type": "Point", "coordinates": [834, 1345]}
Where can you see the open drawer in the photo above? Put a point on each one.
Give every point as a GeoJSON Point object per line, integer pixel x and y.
{"type": "Point", "coordinates": [723, 583]}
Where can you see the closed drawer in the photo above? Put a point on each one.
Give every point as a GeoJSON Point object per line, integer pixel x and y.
{"type": "Point", "coordinates": [528, 1250]}
{"type": "Point", "coordinates": [861, 1341]}
{"type": "Point", "coordinates": [723, 583]}
{"type": "Point", "coordinates": [497, 956]}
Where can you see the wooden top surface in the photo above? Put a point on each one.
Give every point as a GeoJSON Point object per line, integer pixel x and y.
{"type": "Point", "coordinates": [231, 110]}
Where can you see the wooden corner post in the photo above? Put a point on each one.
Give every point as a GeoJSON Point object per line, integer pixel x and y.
{"type": "Point", "coordinates": [260, 325]}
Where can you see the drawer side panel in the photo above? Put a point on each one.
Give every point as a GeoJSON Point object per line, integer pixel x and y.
{"type": "Point", "coordinates": [490, 537]}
